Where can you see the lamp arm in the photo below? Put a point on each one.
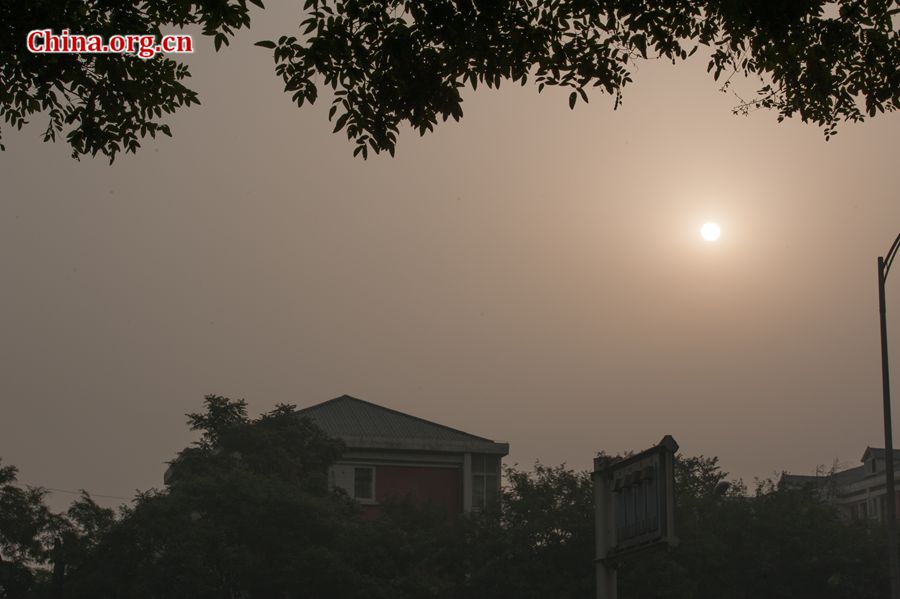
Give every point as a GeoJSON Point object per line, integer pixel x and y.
{"type": "Point", "coordinates": [891, 254]}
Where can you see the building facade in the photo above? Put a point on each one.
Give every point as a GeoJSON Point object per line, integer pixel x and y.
{"type": "Point", "coordinates": [392, 455]}
{"type": "Point", "coordinates": [860, 492]}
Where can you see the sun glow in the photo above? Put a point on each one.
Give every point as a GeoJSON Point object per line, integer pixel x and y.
{"type": "Point", "coordinates": [710, 231]}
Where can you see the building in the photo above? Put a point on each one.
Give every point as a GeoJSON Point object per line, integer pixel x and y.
{"type": "Point", "coordinates": [860, 491]}
{"type": "Point", "coordinates": [395, 455]}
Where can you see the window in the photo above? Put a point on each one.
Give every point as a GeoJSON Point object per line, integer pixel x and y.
{"type": "Point", "coordinates": [358, 481]}
{"type": "Point", "coordinates": [873, 508]}
{"type": "Point", "coordinates": [485, 481]}
{"type": "Point", "coordinates": [364, 483]}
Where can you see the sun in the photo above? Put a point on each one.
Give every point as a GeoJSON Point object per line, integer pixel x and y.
{"type": "Point", "coordinates": [710, 231]}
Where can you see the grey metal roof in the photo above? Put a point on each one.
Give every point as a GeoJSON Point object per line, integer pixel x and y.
{"type": "Point", "coordinates": [842, 483]}
{"type": "Point", "coordinates": [799, 480]}
{"type": "Point", "coordinates": [878, 453]}
{"type": "Point", "coordinates": [364, 425]}
{"type": "Point", "coordinates": [844, 477]}
{"type": "Point", "coordinates": [851, 475]}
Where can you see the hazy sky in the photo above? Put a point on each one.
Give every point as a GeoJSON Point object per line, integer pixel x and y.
{"type": "Point", "coordinates": [531, 274]}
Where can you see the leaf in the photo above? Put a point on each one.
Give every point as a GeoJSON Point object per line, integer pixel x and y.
{"type": "Point", "coordinates": [641, 44]}
{"type": "Point", "coordinates": [265, 43]}
{"type": "Point", "coordinates": [342, 120]}
{"type": "Point", "coordinates": [219, 40]}
{"type": "Point", "coordinates": [573, 97]}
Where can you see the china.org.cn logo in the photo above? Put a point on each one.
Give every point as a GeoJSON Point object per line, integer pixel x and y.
{"type": "Point", "coordinates": [44, 41]}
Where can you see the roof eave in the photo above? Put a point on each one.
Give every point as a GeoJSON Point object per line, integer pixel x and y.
{"type": "Point", "coordinates": [487, 447]}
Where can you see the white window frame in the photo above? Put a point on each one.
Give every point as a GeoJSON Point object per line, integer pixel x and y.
{"type": "Point", "coordinates": [364, 500]}
{"type": "Point", "coordinates": [342, 475]}
{"type": "Point", "coordinates": [484, 475]}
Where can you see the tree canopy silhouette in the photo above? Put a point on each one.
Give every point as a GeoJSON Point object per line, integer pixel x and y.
{"type": "Point", "coordinates": [247, 513]}
{"type": "Point", "coordinates": [394, 62]}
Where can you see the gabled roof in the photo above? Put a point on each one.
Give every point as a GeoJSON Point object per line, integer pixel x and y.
{"type": "Point", "coordinates": [878, 453]}
{"type": "Point", "coordinates": [841, 479]}
{"type": "Point", "coordinates": [364, 425]}
{"type": "Point", "coordinates": [801, 480]}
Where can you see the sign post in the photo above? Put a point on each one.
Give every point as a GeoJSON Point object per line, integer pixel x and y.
{"type": "Point", "coordinates": [634, 508]}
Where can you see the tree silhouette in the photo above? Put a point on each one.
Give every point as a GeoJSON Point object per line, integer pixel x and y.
{"type": "Point", "coordinates": [248, 516]}
{"type": "Point", "coordinates": [23, 521]}
{"type": "Point", "coordinates": [390, 62]}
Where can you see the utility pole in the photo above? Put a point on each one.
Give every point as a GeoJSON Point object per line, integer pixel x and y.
{"type": "Point", "coordinates": [890, 503]}
{"type": "Point", "coordinates": [607, 587]}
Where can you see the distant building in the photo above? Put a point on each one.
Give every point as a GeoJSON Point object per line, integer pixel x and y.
{"type": "Point", "coordinates": [860, 491]}
{"type": "Point", "coordinates": [395, 455]}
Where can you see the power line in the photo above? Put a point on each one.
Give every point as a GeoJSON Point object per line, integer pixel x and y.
{"type": "Point", "coordinates": [55, 490]}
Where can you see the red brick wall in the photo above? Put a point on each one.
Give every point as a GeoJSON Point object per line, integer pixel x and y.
{"type": "Point", "coordinates": [439, 486]}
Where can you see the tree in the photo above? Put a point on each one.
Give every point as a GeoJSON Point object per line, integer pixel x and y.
{"type": "Point", "coordinates": [779, 543]}
{"type": "Point", "coordinates": [246, 513]}
{"type": "Point", "coordinates": [540, 544]}
{"type": "Point", "coordinates": [394, 62]}
{"type": "Point", "coordinates": [36, 545]}
{"type": "Point", "coordinates": [102, 103]}
{"type": "Point", "coordinates": [277, 445]}
{"type": "Point", "coordinates": [413, 551]}
{"type": "Point", "coordinates": [24, 520]}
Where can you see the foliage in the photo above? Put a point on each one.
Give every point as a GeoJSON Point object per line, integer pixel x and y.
{"type": "Point", "coordinates": [401, 61]}
{"type": "Point", "coordinates": [23, 518]}
{"type": "Point", "coordinates": [231, 535]}
{"type": "Point", "coordinates": [541, 544]}
{"type": "Point", "coordinates": [778, 543]}
{"type": "Point", "coordinates": [23, 521]}
{"type": "Point", "coordinates": [76, 534]}
{"type": "Point", "coordinates": [390, 62]}
{"type": "Point", "coordinates": [411, 551]}
{"type": "Point", "coordinates": [102, 103]}
{"type": "Point", "coordinates": [277, 445]}
{"type": "Point", "coordinates": [246, 513]}
{"type": "Point", "coordinates": [36, 545]}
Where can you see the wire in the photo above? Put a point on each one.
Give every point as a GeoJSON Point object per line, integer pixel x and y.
{"type": "Point", "coordinates": [54, 490]}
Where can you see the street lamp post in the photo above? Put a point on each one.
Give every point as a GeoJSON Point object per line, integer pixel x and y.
{"type": "Point", "coordinates": [890, 504]}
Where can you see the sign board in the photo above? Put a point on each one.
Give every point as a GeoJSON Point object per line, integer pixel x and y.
{"type": "Point", "coordinates": [634, 503]}
{"type": "Point", "coordinates": [643, 497]}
